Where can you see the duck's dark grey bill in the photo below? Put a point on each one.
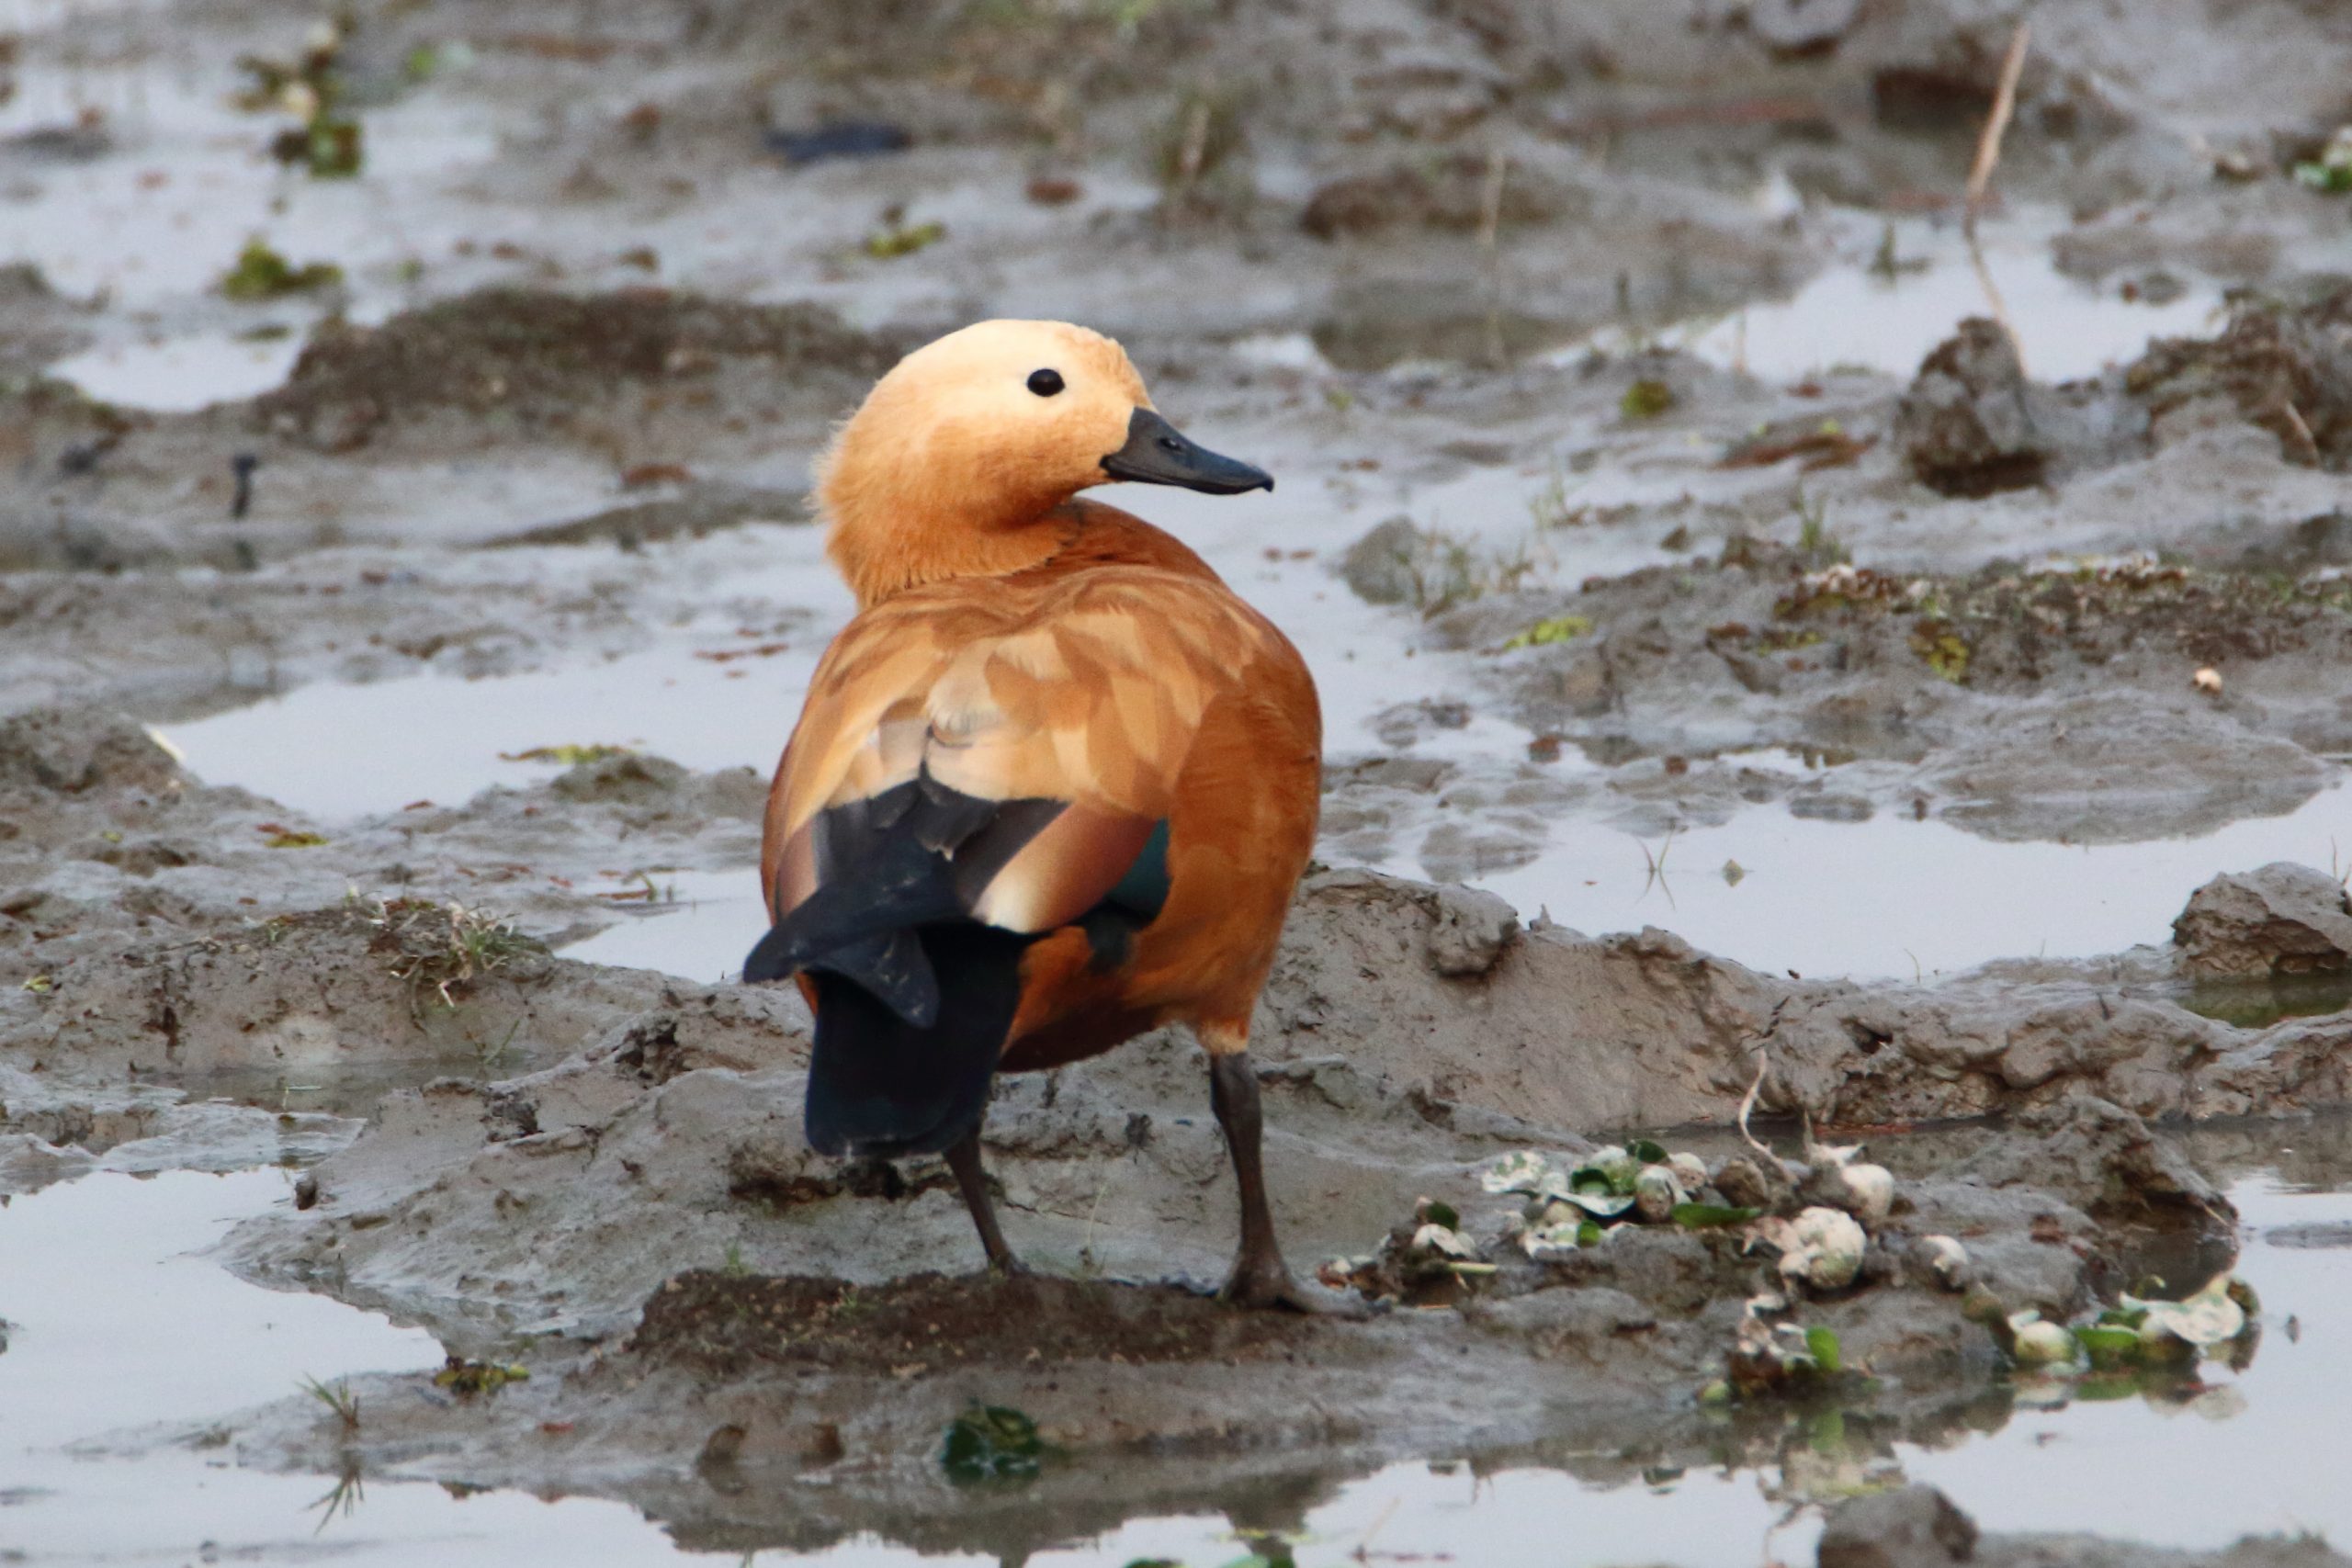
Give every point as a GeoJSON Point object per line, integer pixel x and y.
{"type": "Point", "coordinates": [1157, 453]}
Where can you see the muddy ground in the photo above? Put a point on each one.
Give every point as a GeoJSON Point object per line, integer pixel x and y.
{"type": "Point", "coordinates": [1557, 555]}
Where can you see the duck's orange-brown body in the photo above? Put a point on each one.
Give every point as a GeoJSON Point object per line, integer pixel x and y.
{"type": "Point", "coordinates": [1056, 783]}
{"type": "Point", "coordinates": [1163, 696]}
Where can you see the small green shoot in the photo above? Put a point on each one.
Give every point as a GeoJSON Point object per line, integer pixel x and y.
{"type": "Point", "coordinates": [1815, 540]}
{"type": "Point", "coordinates": [337, 1398]}
{"type": "Point", "coordinates": [1550, 506]}
{"type": "Point", "coordinates": [1446, 571]}
{"type": "Point", "coordinates": [1706, 1216]}
{"type": "Point", "coordinates": [1886, 265]}
{"type": "Point", "coordinates": [1822, 1340]}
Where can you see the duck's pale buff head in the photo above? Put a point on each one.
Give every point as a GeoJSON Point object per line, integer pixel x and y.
{"type": "Point", "coordinates": [954, 461]}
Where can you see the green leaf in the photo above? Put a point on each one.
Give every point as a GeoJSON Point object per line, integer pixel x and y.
{"type": "Point", "coordinates": [569, 755]}
{"type": "Point", "coordinates": [1821, 1342]}
{"type": "Point", "coordinates": [990, 1442]}
{"type": "Point", "coordinates": [2109, 1345]}
{"type": "Point", "coordinates": [1443, 1214]}
{"type": "Point", "coordinates": [1699, 1215]}
{"type": "Point", "coordinates": [1589, 1234]}
{"type": "Point", "coordinates": [887, 244]}
{"type": "Point", "coordinates": [262, 273]}
{"type": "Point", "coordinates": [1557, 628]}
{"type": "Point", "coordinates": [1647, 1151]}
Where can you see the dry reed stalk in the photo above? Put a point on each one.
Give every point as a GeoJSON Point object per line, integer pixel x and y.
{"type": "Point", "coordinates": [1997, 124]}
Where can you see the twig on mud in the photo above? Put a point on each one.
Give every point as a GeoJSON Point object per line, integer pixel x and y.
{"type": "Point", "coordinates": [1992, 298]}
{"type": "Point", "coordinates": [1988, 145]}
{"type": "Point", "coordinates": [1763, 1066]}
{"type": "Point", "coordinates": [1490, 223]}
{"type": "Point", "coordinates": [1491, 201]}
{"type": "Point", "coordinates": [1747, 1106]}
{"type": "Point", "coordinates": [1192, 151]}
{"type": "Point", "coordinates": [2303, 437]}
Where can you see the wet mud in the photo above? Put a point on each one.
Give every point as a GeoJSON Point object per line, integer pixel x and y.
{"type": "Point", "coordinates": [340, 831]}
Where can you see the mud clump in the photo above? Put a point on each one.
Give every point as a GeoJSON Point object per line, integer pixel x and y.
{"type": "Point", "coordinates": [1919, 1527]}
{"type": "Point", "coordinates": [1964, 426]}
{"type": "Point", "coordinates": [702, 509]}
{"type": "Point", "coordinates": [532, 356]}
{"type": "Point", "coordinates": [56, 752]}
{"type": "Point", "coordinates": [2287, 370]}
{"type": "Point", "coordinates": [1457, 194]}
{"type": "Point", "coordinates": [1914, 1526]}
{"type": "Point", "coordinates": [2281, 920]}
{"type": "Point", "coordinates": [36, 325]}
{"type": "Point", "coordinates": [725, 1322]}
{"type": "Point", "coordinates": [1972, 422]}
{"type": "Point", "coordinates": [2102, 1158]}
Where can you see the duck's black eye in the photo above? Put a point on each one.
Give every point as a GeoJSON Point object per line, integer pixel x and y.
{"type": "Point", "coordinates": [1045, 383]}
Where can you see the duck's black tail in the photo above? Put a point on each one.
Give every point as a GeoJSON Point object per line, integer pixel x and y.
{"type": "Point", "coordinates": [879, 1085]}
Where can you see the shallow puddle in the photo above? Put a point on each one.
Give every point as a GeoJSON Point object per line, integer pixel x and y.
{"type": "Point", "coordinates": [180, 374]}
{"type": "Point", "coordinates": [2255, 1452]}
{"type": "Point", "coordinates": [1894, 898]}
{"type": "Point", "coordinates": [98, 1349]}
{"type": "Point", "coordinates": [1900, 286]}
{"type": "Point", "coordinates": [699, 927]}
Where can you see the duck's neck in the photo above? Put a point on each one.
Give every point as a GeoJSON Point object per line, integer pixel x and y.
{"type": "Point", "coordinates": [887, 548]}
{"type": "Point", "coordinates": [904, 510]}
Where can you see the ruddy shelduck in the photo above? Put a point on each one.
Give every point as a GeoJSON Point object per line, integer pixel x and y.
{"type": "Point", "coordinates": [1054, 784]}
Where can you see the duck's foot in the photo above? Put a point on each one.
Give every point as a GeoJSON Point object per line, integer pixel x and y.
{"type": "Point", "coordinates": [1266, 1284]}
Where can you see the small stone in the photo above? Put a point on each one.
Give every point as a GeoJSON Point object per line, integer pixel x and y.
{"type": "Point", "coordinates": [1944, 1259]}
{"type": "Point", "coordinates": [1743, 1185]}
{"type": "Point", "coordinates": [1473, 927]}
{"type": "Point", "coordinates": [1801, 27]}
{"type": "Point", "coordinates": [1382, 567]}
